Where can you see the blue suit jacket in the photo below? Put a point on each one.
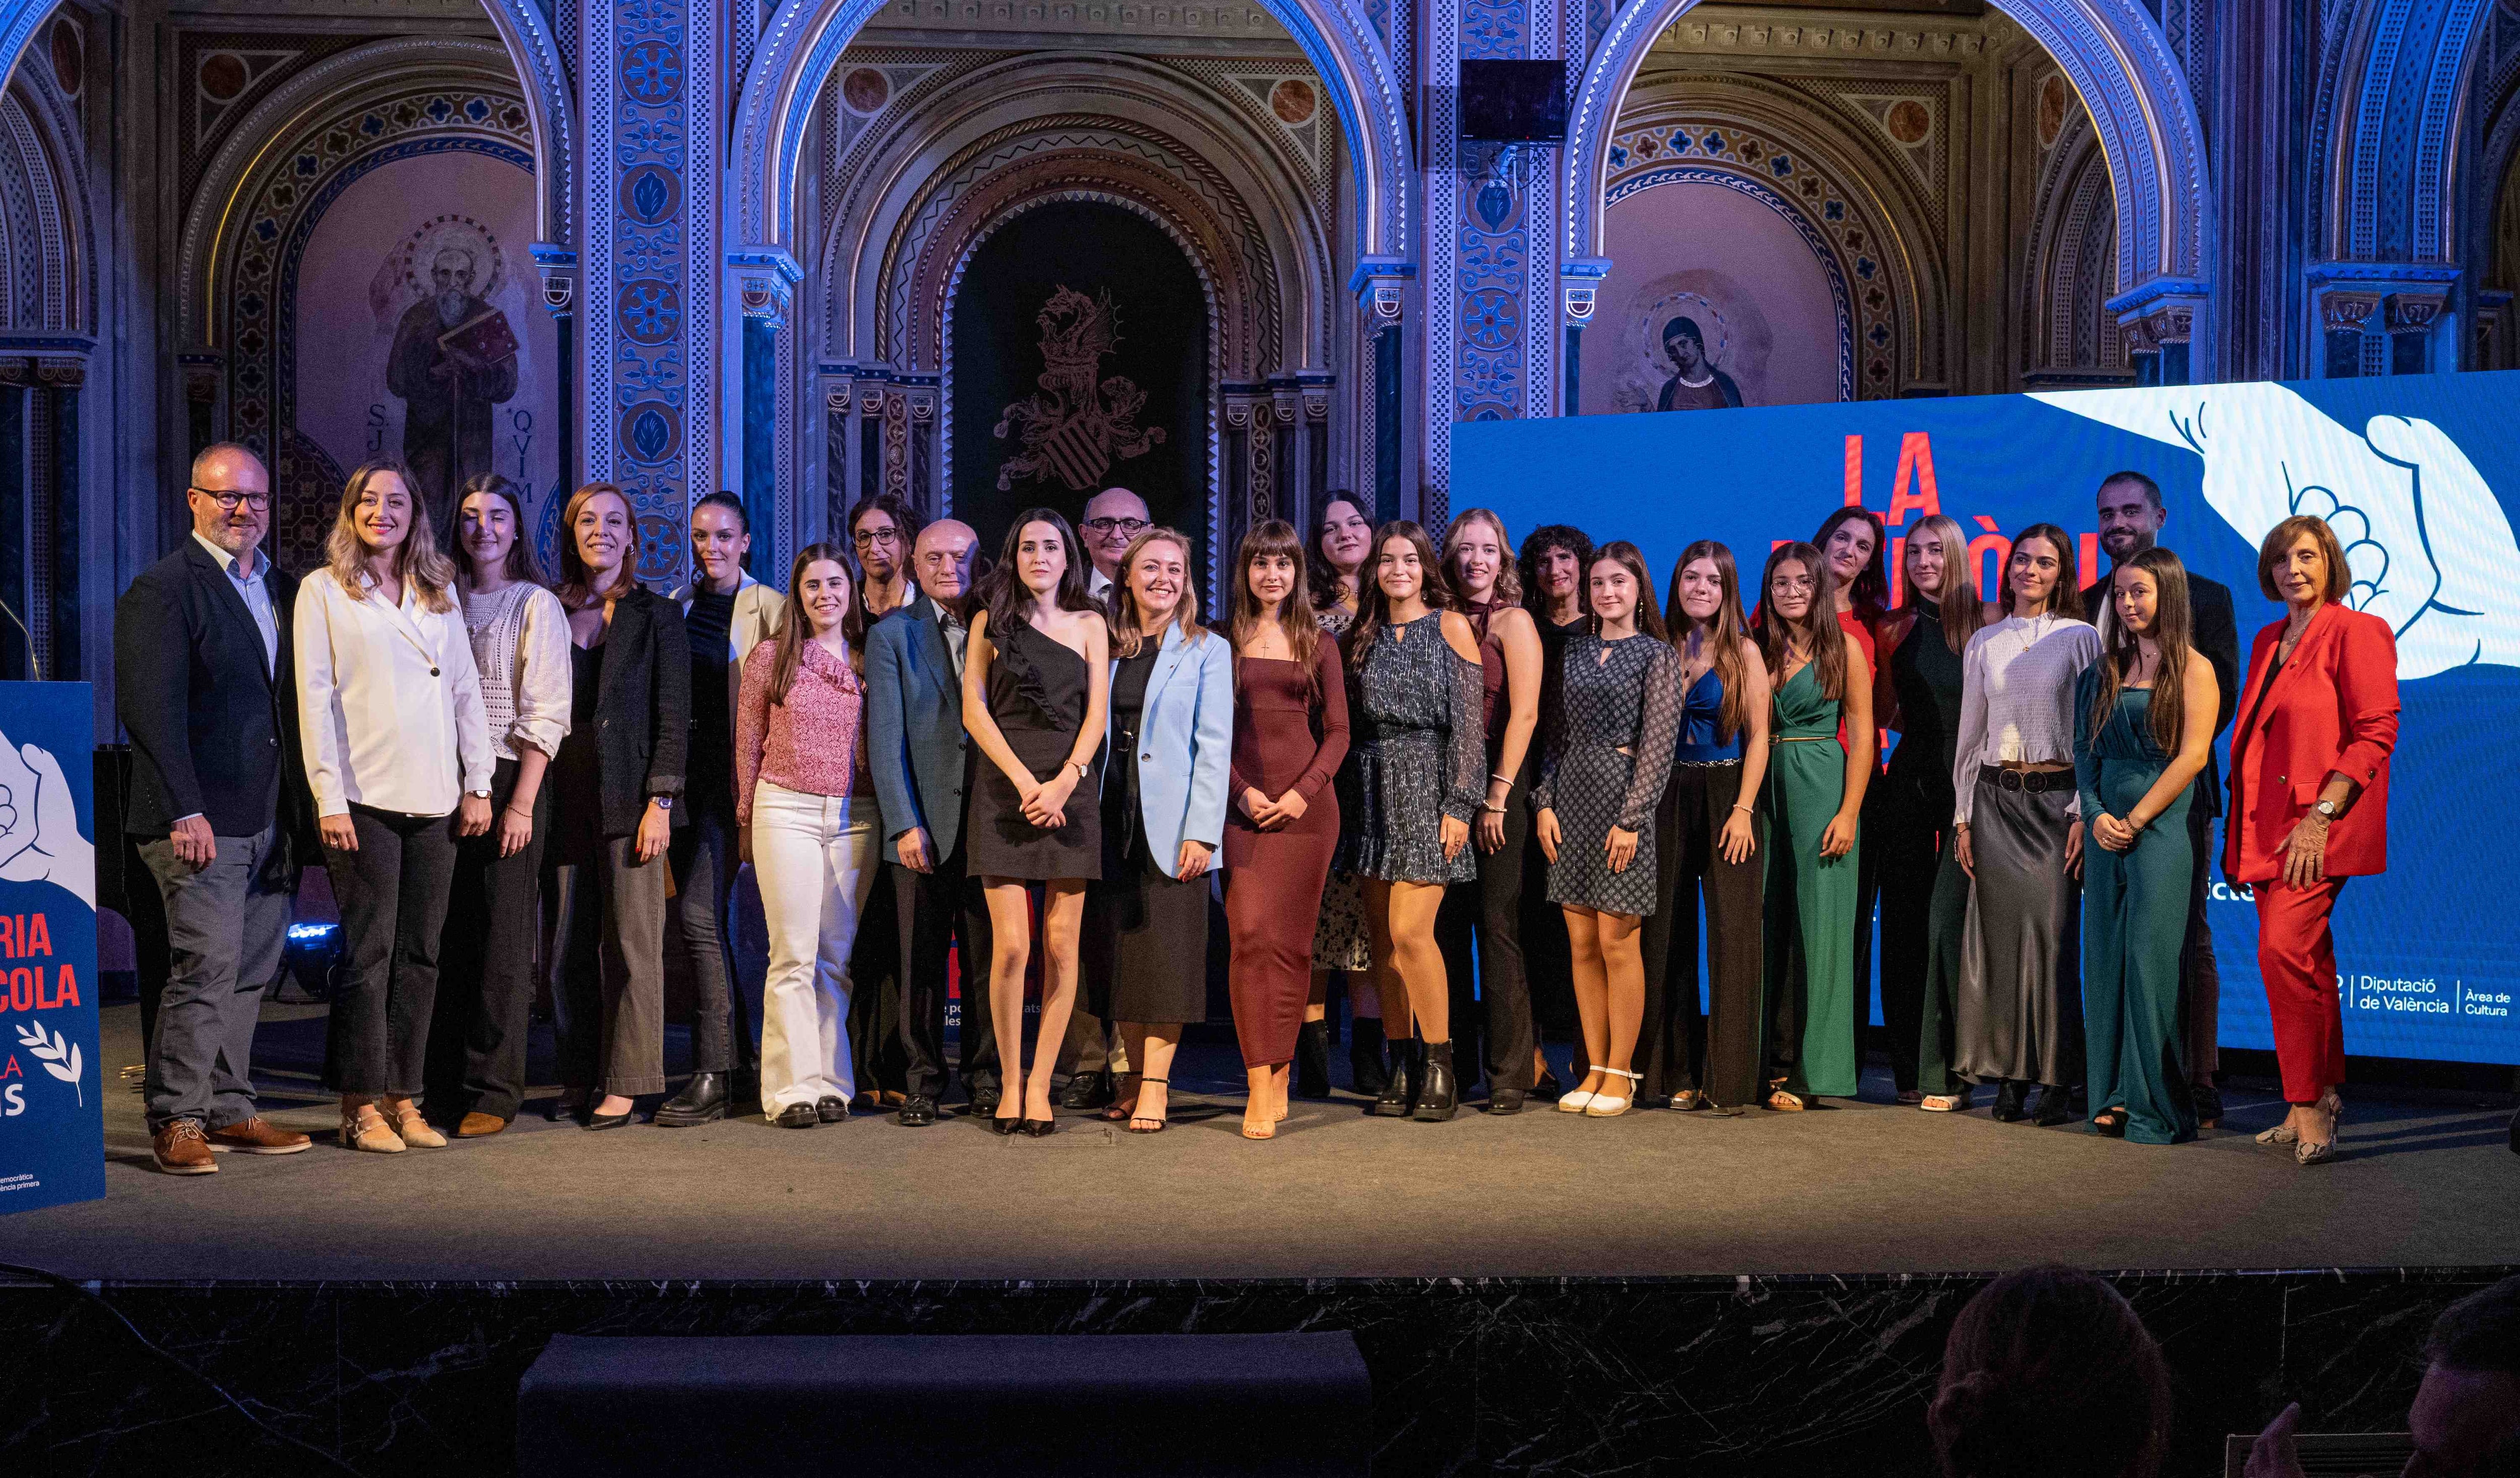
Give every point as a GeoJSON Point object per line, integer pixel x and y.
{"type": "Point", "coordinates": [1184, 743]}
{"type": "Point", "coordinates": [916, 744]}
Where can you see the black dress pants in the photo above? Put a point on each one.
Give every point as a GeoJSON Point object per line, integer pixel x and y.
{"type": "Point", "coordinates": [875, 1047]}
{"type": "Point", "coordinates": [934, 910]}
{"type": "Point", "coordinates": [476, 1039]}
{"type": "Point", "coordinates": [1680, 1046]}
{"type": "Point", "coordinates": [1494, 1029]}
{"type": "Point", "coordinates": [704, 859]}
{"type": "Point", "coordinates": [2200, 982]}
{"type": "Point", "coordinates": [1905, 837]}
{"type": "Point", "coordinates": [393, 893]}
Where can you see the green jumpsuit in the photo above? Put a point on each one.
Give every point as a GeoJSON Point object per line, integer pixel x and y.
{"type": "Point", "coordinates": [1810, 955]}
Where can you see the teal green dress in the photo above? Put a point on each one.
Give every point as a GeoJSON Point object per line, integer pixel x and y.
{"type": "Point", "coordinates": [1809, 953]}
{"type": "Point", "coordinates": [2134, 923]}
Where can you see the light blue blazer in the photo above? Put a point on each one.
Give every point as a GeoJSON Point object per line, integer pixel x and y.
{"type": "Point", "coordinates": [1184, 743]}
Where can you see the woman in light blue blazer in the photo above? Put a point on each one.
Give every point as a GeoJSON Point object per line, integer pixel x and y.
{"type": "Point", "coordinates": [1171, 750]}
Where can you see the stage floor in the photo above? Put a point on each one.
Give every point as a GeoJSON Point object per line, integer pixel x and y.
{"type": "Point", "coordinates": [1859, 1188]}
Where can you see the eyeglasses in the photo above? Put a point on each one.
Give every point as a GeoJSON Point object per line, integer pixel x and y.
{"type": "Point", "coordinates": [1118, 526]}
{"type": "Point", "coordinates": [229, 498]}
{"type": "Point", "coordinates": [868, 538]}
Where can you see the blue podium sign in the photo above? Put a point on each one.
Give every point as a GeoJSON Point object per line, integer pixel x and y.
{"type": "Point", "coordinates": [51, 1109]}
{"type": "Point", "coordinates": [2419, 477]}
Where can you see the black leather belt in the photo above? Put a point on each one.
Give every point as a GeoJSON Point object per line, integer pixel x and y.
{"type": "Point", "coordinates": [2030, 782]}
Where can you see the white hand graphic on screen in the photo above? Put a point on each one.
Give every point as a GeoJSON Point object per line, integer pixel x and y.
{"type": "Point", "coordinates": [2431, 552]}
{"type": "Point", "coordinates": [40, 834]}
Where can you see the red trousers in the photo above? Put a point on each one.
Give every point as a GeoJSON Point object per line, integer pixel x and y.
{"type": "Point", "coordinates": [2297, 961]}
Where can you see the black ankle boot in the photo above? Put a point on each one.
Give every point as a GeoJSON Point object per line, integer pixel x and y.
{"type": "Point", "coordinates": [1313, 1060]}
{"type": "Point", "coordinates": [1399, 1092]}
{"type": "Point", "coordinates": [1438, 1094]}
{"type": "Point", "coordinates": [1366, 1071]}
{"type": "Point", "coordinates": [703, 1101]}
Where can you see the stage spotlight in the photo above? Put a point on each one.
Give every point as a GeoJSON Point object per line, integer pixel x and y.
{"type": "Point", "coordinates": [309, 959]}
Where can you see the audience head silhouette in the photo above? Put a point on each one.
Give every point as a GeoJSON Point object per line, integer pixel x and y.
{"type": "Point", "coordinates": [2048, 1371]}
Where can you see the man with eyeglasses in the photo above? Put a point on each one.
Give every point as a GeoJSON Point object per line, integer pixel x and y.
{"type": "Point", "coordinates": [1112, 518]}
{"type": "Point", "coordinates": [203, 685]}
{"type": "Point", "coordinates": [1092, 1052]}
{"type": "Point", "coordinates": [882, 528]}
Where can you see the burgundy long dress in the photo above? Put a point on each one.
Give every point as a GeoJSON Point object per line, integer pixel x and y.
{"type": "Point", "coordinates": [1284, 738]}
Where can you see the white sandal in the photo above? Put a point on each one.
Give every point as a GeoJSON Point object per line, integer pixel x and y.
{"type": "Point", "coordinates": [1573, 1100]}
{"type": "Point", "coordinates": [1593, 1107]}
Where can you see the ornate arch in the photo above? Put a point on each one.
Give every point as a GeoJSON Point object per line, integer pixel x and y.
{"type": "Point", "coordinates": [940, 139]}
{"type": "Point", "coordinates": [2392, 115]}
{"type": "Point", "coordinates": [47, 286]}
{"type": "Point", "coordinates": [805, 40]}
{"type": "Point", "coordinates": [252, 224]}
{"type": "Point", "coordinates": [550, 112]}
{"type": "Point", "coordinates": [2111, 50]}
{"type": "Point", "coordinates": [1857, 208]}
{"type": "Point", "coordinates": [2067, 328]}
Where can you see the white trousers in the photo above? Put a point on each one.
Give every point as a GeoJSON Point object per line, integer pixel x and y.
{"type": "Point", "coordinates": [814, 860]}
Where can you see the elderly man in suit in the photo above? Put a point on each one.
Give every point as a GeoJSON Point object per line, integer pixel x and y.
{"type": "Point", "coordinates": [921, 761]}
{"type": "Point", "coordinates": [201, 668]}
{"type": "Point", "coordinates": [2131, 519]}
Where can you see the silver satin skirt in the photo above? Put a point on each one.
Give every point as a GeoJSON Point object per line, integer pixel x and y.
{"type": "Point", "coordinates": [2020, 1008]}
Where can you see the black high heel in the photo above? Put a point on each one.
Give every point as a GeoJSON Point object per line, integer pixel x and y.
{"type": "Point", "coordinates": [1001, 1123]}
{"type": "Point", "coordinates": [1036, 1129]}
{"type": "Point", "coordinates": [1136, 1118]}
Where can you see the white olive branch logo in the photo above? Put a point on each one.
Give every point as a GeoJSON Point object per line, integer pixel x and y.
{"type": "Point", "coordinates": [59, 1054]}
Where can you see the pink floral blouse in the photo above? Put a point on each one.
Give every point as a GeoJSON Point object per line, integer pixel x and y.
{"type": "Point", "coordinates": [814, 742]}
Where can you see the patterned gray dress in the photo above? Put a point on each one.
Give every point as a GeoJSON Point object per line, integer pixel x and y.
{"type": "Point", "coordinates": [1419, 754]}
{"type": "Point", "coordinates": [1632, 702]}
{"type": "Point", "coordinates": [1340, 941]}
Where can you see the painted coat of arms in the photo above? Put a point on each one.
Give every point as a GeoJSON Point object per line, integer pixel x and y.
{"type": "Point", "coordinates": [1079, 423]}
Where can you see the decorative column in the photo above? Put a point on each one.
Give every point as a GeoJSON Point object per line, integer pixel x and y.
{"type": "Point", "coordinates": [765, 278]}
{"type": "Point", "coordinates": [1579, 284]}
{"type": "Point", "coordinates": [2160, 318]}
{"type": "Point", "coordinates": [557, 266]}
{"type": "Point", "coordinates": [1383, 297]}
{"type": "Point", "coordinates": [2408, 319]}
{"type": "Point", "coordinates": [655, 98]}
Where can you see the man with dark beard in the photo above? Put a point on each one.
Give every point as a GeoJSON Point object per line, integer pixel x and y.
{"type": "Point", "coordinates": [447, 392]}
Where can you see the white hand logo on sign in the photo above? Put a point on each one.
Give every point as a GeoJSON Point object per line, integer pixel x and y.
{"type": "Point", "coordinates": [2430, 548]}
{"type": "Point", "coordinates": [40, 834]}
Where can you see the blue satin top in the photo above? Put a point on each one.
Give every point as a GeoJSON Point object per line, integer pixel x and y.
{"type": "Point", "coordinates": [1701, 714]}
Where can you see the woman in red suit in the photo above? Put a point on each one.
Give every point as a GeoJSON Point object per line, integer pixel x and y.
{"type": "Point", "coordinates": [2310, 805]}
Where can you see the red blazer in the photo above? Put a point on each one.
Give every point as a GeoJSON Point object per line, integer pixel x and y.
{"type": "Point", "coordinates": [2333, 711]}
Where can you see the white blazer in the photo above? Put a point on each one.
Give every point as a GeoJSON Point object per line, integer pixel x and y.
{"type": "Point", "coordinates": [388, 701]}
{"type": "Point", "coordinates": [759, 612]}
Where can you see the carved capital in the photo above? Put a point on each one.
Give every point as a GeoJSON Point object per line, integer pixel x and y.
{"type": "Point", "coordinates": [2347, 312]}
{"type": "Point", "coordinates": [2413, 312]}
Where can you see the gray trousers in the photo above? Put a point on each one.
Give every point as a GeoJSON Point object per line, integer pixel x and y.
{"type": "Point", "coordinates": [608, 962]}
{"type": "Point", "coordinates": [225, 924]}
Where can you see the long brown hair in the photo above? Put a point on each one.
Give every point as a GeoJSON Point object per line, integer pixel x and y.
{"type": "Point", "coordinates": [1004, 590]}
{"type": "Point", "coordinates": [2067, 602]}
{"type": "Point", "coordinates": [415, 561]}
{"type": "Point", "coordinates": [797, 628]}
{"type": "Point", "coordinates": [1630, 558]}
{"type": "Point", "coordinates": [2049, 1371]}
{"type": "Point", "coordinates": [1374, 608]}
{"type": "Point", "coordinates": [577, 582]}
{"type": "Point", "coordinates": [2120, 651]}
{"type": "Point", "coordinates": [1295, 615]}
{"type": "Point", "coordinates": [1818, 629]}
{"type": "Point", "coordinates": [521, 566]}
{"type": "Point", "coordinates": [1509, 579]}
{"type": "Point", "coordinates": [1127, 633]}
{"type": "Point", "coordinates": [1964, 609]}
{"type": "Point", "coordinates": [1724, 633]}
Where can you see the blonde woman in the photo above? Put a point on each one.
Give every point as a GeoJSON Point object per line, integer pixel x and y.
{"type": "Point", "coordinates": [1479, 558]}
{"type": "Point", "coordinates": [389, 715]}
{"type": "Point", "coordinates": [1171, 728]}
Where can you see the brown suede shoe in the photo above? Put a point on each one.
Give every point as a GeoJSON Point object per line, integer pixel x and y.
{"type": "Point", "coordinates": [179, 1148]}
{"type": "Point", "coordinates": [477, 1125]}
{"type": "Point", "coordinates": [257, 1136]}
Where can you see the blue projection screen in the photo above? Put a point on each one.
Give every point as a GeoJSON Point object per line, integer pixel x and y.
{"type": "Point", "coordinates": [2419, 477]}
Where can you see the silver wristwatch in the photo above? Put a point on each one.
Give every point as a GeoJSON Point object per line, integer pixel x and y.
{"type": "Point", "coordinates": [2327, 810]}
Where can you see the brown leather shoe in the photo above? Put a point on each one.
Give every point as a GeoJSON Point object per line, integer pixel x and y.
{"type": "Point", "coordinates": [477, 1125]}
{"type": "Point", "coordinates": [179, 1148]}
{"type": "Point", "coordinates": [257, 1136]}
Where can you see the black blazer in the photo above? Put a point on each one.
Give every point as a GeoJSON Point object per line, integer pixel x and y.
{"type": "Point", "coordinates": [2215, 633]}
{"type": "Point", "coordinates": [642, 708]}
{"type": "Point", "coordinates": [213, 732]}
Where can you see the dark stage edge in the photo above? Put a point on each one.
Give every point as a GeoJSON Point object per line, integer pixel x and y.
{"type": "Point", "coordinates": [1704, 1375]}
